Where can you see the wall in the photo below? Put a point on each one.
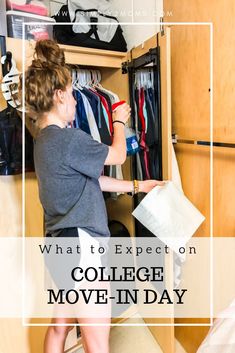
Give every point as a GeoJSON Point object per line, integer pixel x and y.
{"type": "Point", "coordinates": [136, 11]}
{"type": "Point", "coordinates": [55, 5]}
{"type": "Point", "coordinates": [190, 112]}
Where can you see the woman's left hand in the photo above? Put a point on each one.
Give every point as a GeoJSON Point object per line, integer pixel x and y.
{"type": "Point", "coordinates": [148, 185]}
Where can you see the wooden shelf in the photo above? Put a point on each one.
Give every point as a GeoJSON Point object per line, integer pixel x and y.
{"type": "Point", "coordinates": [96, 57]}
{"type": "Point", "coordinates": [73, 54]}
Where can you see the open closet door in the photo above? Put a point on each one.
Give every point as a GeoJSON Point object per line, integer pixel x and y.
{"type": "Point", "coordinates": [156, 52]}
{"type": "Point", "coordinates": [164, 335]}
{"type": "Point", "coordinates": [164, 42]}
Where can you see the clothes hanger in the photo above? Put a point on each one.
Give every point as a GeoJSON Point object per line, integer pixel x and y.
{"type": "Point", "coordinates": [74, 76]}
{"type": "Point", "coordinates": [142, 79]}
{"type": "Point", "coordinates": [80, 77]}
{"type": "Point", "coordinates": [96, 78]}
{"type": "Point", "coordinates": [87, 78]}
{"type": "Point", "coordinates": [93, 77]}
{"type": "Point", "coordinates": [96, 81]}
{"type": "Point", "coordinates": [145, 79]}
{"type": "Point", "coordinates": [99, 77]}
{"type": "Point", "coordinates": [147, 74]}
{"type": "Point", "coordinates": [151, 79]}
{"type": "Point", "coordinates": [78, 82]}
{"type": "Point", "coordinates": [138, 80]}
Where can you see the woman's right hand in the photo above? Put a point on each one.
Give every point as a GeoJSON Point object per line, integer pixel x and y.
{"type": "Point", "coordinates": [147, 185]}
{"type": "Point", "coordinates": [122, 113]}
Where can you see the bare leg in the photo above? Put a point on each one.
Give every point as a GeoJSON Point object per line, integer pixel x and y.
{"type": "Point", "coordinates": [56, 335]}
{"type": "Point", "coordinates": [95, 339]}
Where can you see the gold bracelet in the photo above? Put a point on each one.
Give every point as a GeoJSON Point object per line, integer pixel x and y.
{"type": "Point", "coordinates": [136, 186]}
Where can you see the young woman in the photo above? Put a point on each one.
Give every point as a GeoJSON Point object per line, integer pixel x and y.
{"type": "Point", "coordinates": [68, 164]}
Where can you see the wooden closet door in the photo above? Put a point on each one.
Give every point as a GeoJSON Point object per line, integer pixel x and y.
{"type": "Point", "coordinates": [164, 41]}
{"type": "Point", "coordinates": [165, 334]}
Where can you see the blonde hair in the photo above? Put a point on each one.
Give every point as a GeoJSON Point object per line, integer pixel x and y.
{"type": "Point", "coordinates": [47, 73]}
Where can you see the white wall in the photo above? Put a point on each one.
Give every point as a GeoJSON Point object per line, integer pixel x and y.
{"type": "Point", "coordinates": [55, 6]}
{"type": "Point", "coordinates": [138, 11]}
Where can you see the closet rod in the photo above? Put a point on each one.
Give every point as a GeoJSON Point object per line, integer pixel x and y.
{"type": "Point", "coordinates": [177, 140]}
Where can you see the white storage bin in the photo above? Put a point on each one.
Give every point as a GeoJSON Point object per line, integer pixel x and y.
{"type": "Point", "coordinates": [3, 22]}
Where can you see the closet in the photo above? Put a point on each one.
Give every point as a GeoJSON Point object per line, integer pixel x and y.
{"type": "Point", "coordinates": [113, 67]}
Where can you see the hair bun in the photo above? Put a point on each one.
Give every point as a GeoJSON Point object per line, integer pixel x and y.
{"type": "Point", "coordinates": [39, 64]}
{"type": "Point", "coordinates": [48, 54]}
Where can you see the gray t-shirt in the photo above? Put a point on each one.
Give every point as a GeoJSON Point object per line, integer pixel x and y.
{"type": "Point", "coordinates": [68, 163]}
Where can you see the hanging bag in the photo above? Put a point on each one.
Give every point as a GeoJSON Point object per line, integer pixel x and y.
{"type": "Point", "coordinates": [11, 144]}
{"type": "Point", "coordinates": [108, 35]}
{"type": "Point", "coordinates": [11, 124]}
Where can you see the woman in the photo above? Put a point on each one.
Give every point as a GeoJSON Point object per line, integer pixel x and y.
{"type": "Point", "coordinates": [68, 164]}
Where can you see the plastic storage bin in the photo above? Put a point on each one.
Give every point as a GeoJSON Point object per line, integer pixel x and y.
{"type": "Point", "coordinates": [36, 31]}
{"type": "Point", "coordinates": [3, 21]}
{"type": "Point", "coordinates": [37, 7]}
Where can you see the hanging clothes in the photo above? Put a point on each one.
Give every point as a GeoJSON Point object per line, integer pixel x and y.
{"type": "Point", "coordinates": [91, 118]}
{"type": "Point", "coordinates": [146, 122]}
{"type": "Point", "coordinates": [81, 120]}
{"type": "Point", "coordinates": [94, 113]}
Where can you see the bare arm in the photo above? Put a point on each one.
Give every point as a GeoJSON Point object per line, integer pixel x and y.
{"type": "Point", "coordinates": [115, 185]}
{"type": "Point", "coordinates": [117, 151]}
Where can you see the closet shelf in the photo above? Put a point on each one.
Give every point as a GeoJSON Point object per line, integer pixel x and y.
{"type": "Point", "coordinates": [73, 54]}
{"type": "Point", "coordinates": [97, 57]}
